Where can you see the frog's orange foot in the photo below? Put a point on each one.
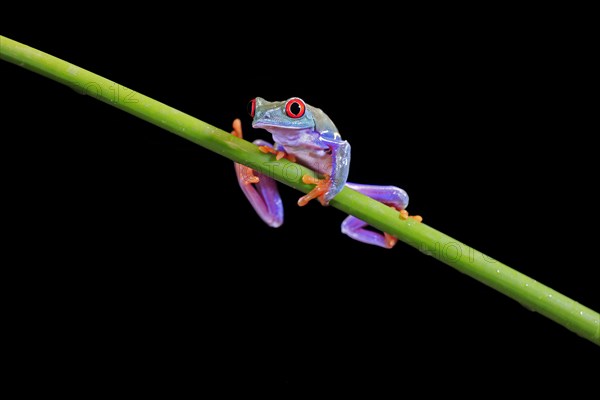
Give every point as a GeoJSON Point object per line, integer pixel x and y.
{"type": "Point", "coordinates": [246, 175]}
{"type": "Point", "coordinates": [237, 128]}
{"type": "Point", "coordinates": [318, 192]}
{"type": "Point", "coordinates": [390, 241]}
{"type": "Point", "coordinates": [404, 215]}
{"type": "Point", "coordinates": [278, 154]}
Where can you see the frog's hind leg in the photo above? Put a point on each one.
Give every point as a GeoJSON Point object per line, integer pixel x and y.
{"type": "Point", "coordinates": [390, 195]}
{"type": "Point", "coordinates": [356, 229]}
{"type": "Point", "coordinates": [260, 190]}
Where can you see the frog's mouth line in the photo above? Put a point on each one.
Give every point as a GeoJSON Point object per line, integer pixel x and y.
{"type": "Point", "coordinates": [264, 125]}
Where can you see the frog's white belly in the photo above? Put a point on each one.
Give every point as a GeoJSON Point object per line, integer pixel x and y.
{"type": "Point", "coordinates": [316, 159]}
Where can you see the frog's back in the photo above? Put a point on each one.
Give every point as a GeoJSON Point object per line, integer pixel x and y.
{"type": "Point", "coordinates": [323, 124]}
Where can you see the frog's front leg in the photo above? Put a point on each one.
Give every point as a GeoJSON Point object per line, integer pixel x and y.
{"type": "Point", "coordinates": [279, 151]}
{"type": "Point", "coordinates": [260, 190]}
{"type": "Point", "coordinates": [390, 195]}
{"type": "Point", "coordinates": [333, 182]}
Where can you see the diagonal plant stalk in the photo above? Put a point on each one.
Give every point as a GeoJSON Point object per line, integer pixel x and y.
{"type": "Point", "coordinates": [527, 291]}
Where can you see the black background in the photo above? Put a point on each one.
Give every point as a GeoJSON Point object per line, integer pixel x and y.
{"type": "Point", "coordinates": [144, 242]}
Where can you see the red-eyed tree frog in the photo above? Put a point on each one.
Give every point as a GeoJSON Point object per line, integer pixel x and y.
{"type": "Point", "coordinates": [305, 134]}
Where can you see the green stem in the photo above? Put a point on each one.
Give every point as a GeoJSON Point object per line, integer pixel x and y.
{"type": "Point", "coordinates": [530, 293]}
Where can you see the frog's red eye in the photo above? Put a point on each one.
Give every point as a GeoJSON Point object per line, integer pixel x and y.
{"type": "Point", "coordinates": [295, 108]}
{"type": "Point", "coordinates": [252, 107]}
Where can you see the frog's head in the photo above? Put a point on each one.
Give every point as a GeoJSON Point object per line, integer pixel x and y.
{"type": "Point", "coordinates": [281, 116]}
